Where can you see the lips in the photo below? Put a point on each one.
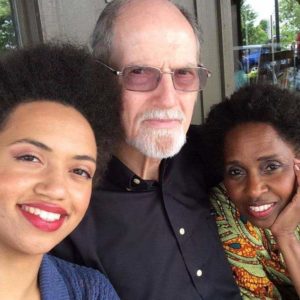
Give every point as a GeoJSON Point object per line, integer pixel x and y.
{"type": "Point", "coordinates": [261, 211]}
{"type": "Point", "coordinates": [43, 216]}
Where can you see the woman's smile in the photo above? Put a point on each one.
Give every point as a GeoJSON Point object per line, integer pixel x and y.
{"type": "Point", "coordinates": [259, 174]}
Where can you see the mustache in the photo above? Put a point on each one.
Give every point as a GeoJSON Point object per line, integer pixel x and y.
{"type": "Point", "coordinates": [162, 114]}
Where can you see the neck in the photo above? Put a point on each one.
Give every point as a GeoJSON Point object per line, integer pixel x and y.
{"type": "Point", "coordinates": [145, 167]}
{"type": "Point", "coordinates": [19, 276]}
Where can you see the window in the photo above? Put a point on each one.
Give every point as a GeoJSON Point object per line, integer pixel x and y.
{"type": "Point", "coordinates": [20, 24]}
{"type": "Point", "coordinates": [265, 42]}
{"type": "Point", "coordinates": [8, 38]}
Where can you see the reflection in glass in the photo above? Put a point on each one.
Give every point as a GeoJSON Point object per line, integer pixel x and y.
{"type": "Point", "coordinates": [265, 49]}
{"type": "Point", "coordinates": [7, 30]}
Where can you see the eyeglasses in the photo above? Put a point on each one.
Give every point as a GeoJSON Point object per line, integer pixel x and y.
{"type": "Point", "coordinates": [145, 79]}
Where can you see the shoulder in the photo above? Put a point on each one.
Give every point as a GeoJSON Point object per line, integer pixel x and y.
{"type": "Point", "coordinates": [189, 159]}
{"type": "Point", "coordinates": [195, 147]}
{"type": "Point", "coordinates": [83, 281]}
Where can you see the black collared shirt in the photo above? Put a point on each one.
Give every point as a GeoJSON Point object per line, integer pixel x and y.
{"type": "Point", "coordinates": [154, 240]}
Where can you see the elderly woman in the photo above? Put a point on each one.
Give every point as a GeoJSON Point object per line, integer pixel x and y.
{"type": "Point", "coordinates": [253, 141]}
{"type": "Point", "coordinates": [58, 121]}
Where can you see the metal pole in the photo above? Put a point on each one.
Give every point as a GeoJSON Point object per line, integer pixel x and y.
{"type": "Point", "coordinates": [277, 23]}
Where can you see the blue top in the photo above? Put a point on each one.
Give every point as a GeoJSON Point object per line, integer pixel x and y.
{"type": "Point", "coordinates": [62, 280]}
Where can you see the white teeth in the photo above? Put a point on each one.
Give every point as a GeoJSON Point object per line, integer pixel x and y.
{"type": "Point", "coordinates": [44, 215]}
{"type": "Point", "coordinates": [261, 207]}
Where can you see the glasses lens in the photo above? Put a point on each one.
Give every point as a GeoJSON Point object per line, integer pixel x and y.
{"type": "Point", "coordinates": [141, 79]}
{"type": "Point", "coordinates": [190, 79]}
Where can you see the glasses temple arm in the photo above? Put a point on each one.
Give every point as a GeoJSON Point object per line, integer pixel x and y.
{"type": "Point", "coordinates": [108, 67]}
{"type": "Point", "coordinates": [204, 68]}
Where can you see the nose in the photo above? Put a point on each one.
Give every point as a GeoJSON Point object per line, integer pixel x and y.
{"type": "Point", "coordinates": [165, 93]}
{"type": "Point", "coordinates": [52, 185]}
{"type": "Point", "coordinates": [255, 187]}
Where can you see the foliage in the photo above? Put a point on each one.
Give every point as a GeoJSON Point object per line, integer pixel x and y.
{"type": "Point", "coordinates": [7, 32]}
{"type": "Point", "coordinates": [290, 14]}
{"type": "Point", "coordinates": [264, 24]}
{"type": "Point", "coordinates": [289, 20]}
{"type": "Point", "coordinates": [252, 34]}
{"type": "Point", "coordinates": [4, 8]}
{"type": "Point", "coordinates": [248, 17]}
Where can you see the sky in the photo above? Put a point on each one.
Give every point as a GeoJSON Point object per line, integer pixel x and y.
{"type": "Point", "coordinates": [264, 8]}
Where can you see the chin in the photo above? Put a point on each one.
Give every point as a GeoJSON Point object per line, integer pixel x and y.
{"type": "Point", "coordinates": [264, 224]}
{"type": "Point", "coordinates": [160, 145]}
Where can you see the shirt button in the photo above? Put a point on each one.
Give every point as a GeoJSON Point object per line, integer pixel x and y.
{"type": "Point", "coordinates": [136, 181]}
{"type": "Point", "coordinates": [181, 231]}
{"type": "Point", "coordinates": [199, 273]}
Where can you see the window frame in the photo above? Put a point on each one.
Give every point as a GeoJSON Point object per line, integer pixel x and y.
{"type": "Point", "coordinates": [27, 22]}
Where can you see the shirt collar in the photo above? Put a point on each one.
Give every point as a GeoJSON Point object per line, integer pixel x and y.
{"type": "Point", "coordinates": [123, 178]}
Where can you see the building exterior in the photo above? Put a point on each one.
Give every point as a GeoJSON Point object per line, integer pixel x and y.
{"type": "Point", "coordinates": [73, 20]}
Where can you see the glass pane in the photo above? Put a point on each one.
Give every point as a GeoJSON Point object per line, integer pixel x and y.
{"type": "Point", "coordinates": [7, 30]}
{"type": "Point", "coordinates": [265, 42]}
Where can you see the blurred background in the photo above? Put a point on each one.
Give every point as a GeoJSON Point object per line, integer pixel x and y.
{"type": "Point", "coordinates": [243, 41]}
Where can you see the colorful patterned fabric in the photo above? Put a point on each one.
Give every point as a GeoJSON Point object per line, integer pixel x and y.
{"type": "Point", "coordinates": [255, 259]}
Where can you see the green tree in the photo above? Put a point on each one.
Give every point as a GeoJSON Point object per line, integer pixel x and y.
{"type": "Point", "coordinates": [289, 17]}
{"type": "Point", "coordinates": [264, 24]}
{"type": "Point", "coordinates": [248, 17]}
{"type": "Point", "coordinates": [290, 13]}
{"type": "Point", "coordinates": [252, 34]}
{"type": "Point", "coordinates": [7, 32]}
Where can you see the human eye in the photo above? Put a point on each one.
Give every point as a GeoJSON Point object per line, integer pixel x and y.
{"type": "Point", "coordinates": [271, 166]}
{"type": "Point", "coordinates": [137, 71]}
{"type": "Point", "coordinates": [234, 172]}
{"type": "Point", "coordinates": [185, 72]}
{"type": "Point", "coordinates": [83, 173]}
{"type": "Point", "coordinates": [27, 158]}
{"type": "Point", "coordinates": [141, 77]}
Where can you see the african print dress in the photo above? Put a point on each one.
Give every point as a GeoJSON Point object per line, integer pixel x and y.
{"type": "Point", "coordinates": [257, 264]}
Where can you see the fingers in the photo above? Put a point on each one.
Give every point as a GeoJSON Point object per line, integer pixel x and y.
{"type": "Point", "coordinates": [289, 218]}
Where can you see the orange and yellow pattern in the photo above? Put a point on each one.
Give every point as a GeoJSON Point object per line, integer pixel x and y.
{"type": "Point", "coordinates": [257, 264]}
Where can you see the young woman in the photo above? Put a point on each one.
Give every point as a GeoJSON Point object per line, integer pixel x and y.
{"type": "Point", "coordinates": [52, 105]}
{"type": "Point", "coordinates": [257, 206]}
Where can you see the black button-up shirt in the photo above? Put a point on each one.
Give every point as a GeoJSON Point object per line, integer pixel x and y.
{"type": "Point", "coordinates": [154, 240]}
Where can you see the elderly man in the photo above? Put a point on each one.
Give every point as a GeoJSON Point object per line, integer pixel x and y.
{"type": "Point", "coordinates": [149, 227]}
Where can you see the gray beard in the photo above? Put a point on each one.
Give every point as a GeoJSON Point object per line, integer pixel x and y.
{"type": "Point", "coordinates": [158, 143]}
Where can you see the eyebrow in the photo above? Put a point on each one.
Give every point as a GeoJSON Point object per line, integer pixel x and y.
{"type": "Point", "coordinates": [268, 157]}
{"type": "Point", "coordinates": [34, 143]}
{"type": "Point", "coordinates": [231, 162]}
{"type": "Point", "coordinates": [85, 157]}
{"type": "Point", "coordinates": [262, 158]}
{"type": "Point", "coordinates": [47, 148]}
{"type": "Point", "coordinates": [187, 65]}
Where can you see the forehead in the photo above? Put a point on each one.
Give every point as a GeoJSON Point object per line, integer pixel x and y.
{"type": "Point", "coordinates": [51, 123]}
{"type": "Point", "coordinates": [37, 110]}
{"type": "Point", "coordinates": [253, 140]}
{"type": "Point", "coordinates": [156, 34]}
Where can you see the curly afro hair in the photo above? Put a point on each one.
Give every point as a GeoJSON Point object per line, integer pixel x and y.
{"type": "Point", "coordinates": [255, 103]}
{"type": "Point", "coordinates": [69, 75]}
